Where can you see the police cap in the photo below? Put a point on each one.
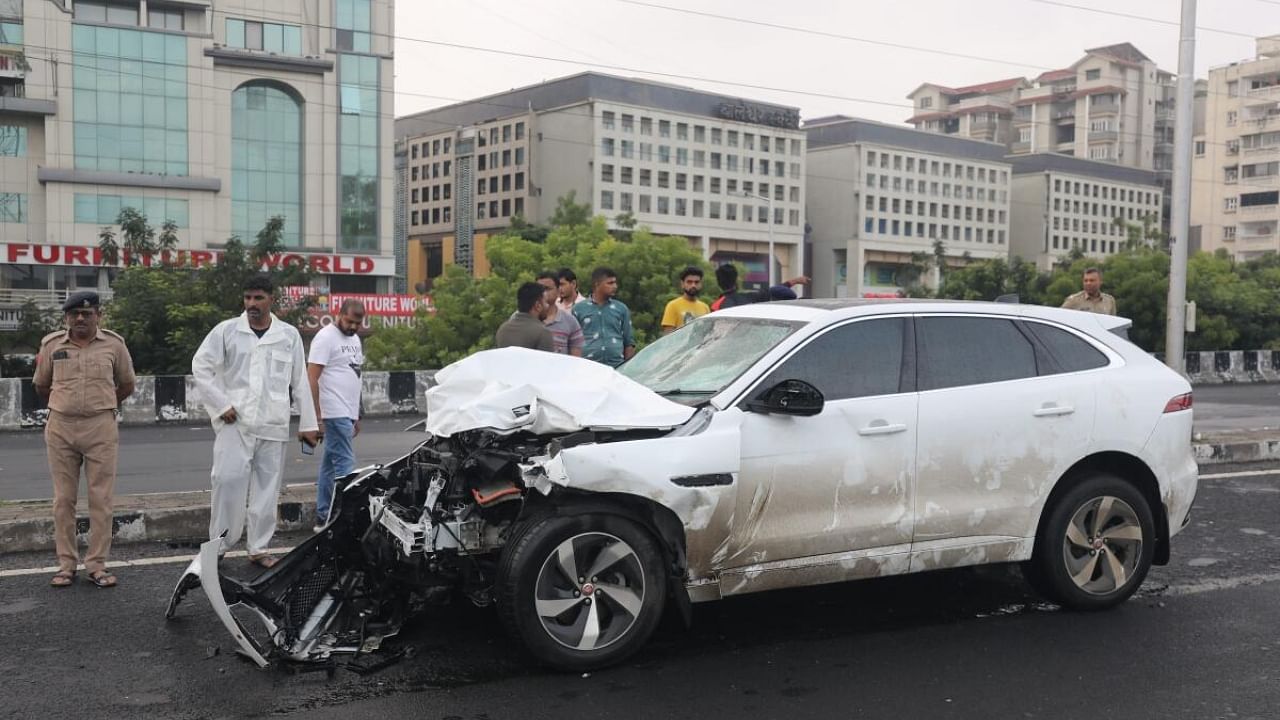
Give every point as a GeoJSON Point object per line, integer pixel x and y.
{"type": "Point", "coordinates": [82, 299]}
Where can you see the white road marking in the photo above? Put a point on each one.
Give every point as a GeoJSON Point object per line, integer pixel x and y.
{"type": "Point", "coordinates": [140, 562]}
{"type": "Point", "coordinates": [1211, 584]}
{"type": "Point", "coordinates": [1247, 473]}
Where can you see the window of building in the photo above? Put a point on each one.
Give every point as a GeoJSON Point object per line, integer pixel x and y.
{"type": "Point", "coordinates": [606, 173]}
{"type": "Point", "coordinates": [1229, 204]}
{"type": "Point", "coordinates": [626, 175]}
{"type": "Point", "coordinates": [628, 123]}
{"type": "Point", "coordinates": [699, 134]}
{"type": "Point", "coordinates": [606, 147]}
{"type": "Point", "coordinates": [682, 181]}
{"type": "Point", "coordinates": [682, 131]}
{"type": "Point", "coordinates": [606, 199]}
{"type": "Point", "coordinates": [625, 204]}
{"type": "Point", "coordinates": [628, 149]}
{"type": "Point", "coordinates": [607, 119]}
{"type": "Point", "coordinates": [13, 141]}
{"type": "Point", "coordinates": [682, 156]}
{"type": "Point", "coordinates": [664, 205]}
{"type": "Point", "coordinates": [519, 181]}
{"type": "Point", "coordinates": [104, 12]}
{"type": "Point", "coordinates": [354, 20]}
{"type": "Point", "coordinates": [162, 18]}
{"type": "Point", "coordinates": [1092, 74]}
{"type": "Point", "coordinates": [646, 126]}
{"type": "Point", "coordinates": [359, 150]}
{"type": "Point", "coordinates": [131, 112]}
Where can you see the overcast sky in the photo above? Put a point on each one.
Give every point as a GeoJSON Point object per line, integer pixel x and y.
{"type": "Point", "coordinates": [820, 75]}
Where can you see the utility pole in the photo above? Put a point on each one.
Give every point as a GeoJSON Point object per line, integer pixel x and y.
{"type": "Point", "coordinates": [1176, 310]}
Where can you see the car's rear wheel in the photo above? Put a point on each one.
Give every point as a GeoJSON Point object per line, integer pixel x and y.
{"type": "Point", "coordinates": [1096, 545]}
{"type": "Point", "coordinates": [582, 591]}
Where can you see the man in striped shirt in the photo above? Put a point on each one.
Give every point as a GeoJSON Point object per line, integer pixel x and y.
{"type": "Point", "coordinates": [566, 333]}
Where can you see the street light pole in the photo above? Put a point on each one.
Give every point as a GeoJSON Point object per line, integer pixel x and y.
{"type": "Point", "coordinates": [769, 208]}
{"type": "Point", "coordinates": [1176, 309]}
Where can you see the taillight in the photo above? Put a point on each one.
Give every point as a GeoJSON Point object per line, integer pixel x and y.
{"type": "Point", "coordinates": [1182, 402]}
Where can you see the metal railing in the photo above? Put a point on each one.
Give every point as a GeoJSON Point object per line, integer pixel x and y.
{"type": "Point", "coordinates": [17, 297]}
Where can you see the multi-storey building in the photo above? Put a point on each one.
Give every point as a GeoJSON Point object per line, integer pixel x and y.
{"type": "Point", "coordinates": [879, 194]}
{"type": "Point", "coordinates": [1112, 105]}
{"type": "Point", "coordinates": [726, 173]}
{"type": "Point", "coordinates": [1235, 198]}
{"type": "Point", "coordinates": [216, 116]}
{"type": "Point", "coordinates": [1063, 203]}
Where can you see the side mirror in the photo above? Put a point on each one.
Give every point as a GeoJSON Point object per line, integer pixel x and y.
{"type": "Point", "coordinates": [789, 397]}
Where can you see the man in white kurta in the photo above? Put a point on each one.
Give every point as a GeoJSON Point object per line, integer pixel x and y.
{"type": "Point", "coordinates": [244, 371]}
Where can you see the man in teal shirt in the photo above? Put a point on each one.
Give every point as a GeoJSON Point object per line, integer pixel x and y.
{"type": "Point", "coordinates": [606, 322]}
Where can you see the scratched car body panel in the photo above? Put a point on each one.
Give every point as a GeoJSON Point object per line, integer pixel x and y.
{"type": "Point", "coordinates": [764, 447]}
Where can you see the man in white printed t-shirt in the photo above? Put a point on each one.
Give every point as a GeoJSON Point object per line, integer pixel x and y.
{"type": "Point", "coordinates": [334, 370]}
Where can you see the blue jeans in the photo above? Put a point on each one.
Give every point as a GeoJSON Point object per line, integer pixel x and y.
{"type": "Point", "coordinates": [337, 459]}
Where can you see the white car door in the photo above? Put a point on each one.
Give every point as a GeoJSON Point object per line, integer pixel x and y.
{"type": "Point", "coordinates": [999, 424]}
{"type": "Point", "coordinates": [829, 497]}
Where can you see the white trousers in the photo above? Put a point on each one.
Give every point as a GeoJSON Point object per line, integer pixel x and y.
{"type": "Point", "coordinates": [246, 475]}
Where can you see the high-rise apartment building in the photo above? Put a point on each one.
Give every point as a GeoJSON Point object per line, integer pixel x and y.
{"type": "Point", "coordinates": [216, 116]}
{"type": "Point", "coordinates": [1113, 105]}
{"type": "Point", "coordinates": [881, 196]}
{"type": "Point", "coordinates": [1235, 184]}
{"type": "Point", "coordinates": [725, 172]}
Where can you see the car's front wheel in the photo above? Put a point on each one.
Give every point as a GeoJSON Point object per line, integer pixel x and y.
{"type": "Point", "coordinates": [1096, 544]}
{"type": "Point", "coordinates": [582, 591]}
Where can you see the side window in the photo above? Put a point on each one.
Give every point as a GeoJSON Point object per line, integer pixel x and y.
{"type": "Point", "coordinates": [955, 351]}
{"type": "Point", "coordinates": [855, 360]}
{"type": "Point", "coordinates": [1072, 353]}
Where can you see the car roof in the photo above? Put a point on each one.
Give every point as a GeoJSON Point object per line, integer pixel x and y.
{"type": "Point", "coordinates": [827, 310]}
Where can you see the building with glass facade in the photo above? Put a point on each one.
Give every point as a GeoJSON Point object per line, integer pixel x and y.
{"type": "Point", "coordinates": [214, 116]}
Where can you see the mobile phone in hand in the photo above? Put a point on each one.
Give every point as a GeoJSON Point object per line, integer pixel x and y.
{"type": "Point", "coordinates": [307, 449]}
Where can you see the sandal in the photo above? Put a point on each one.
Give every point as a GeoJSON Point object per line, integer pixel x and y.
{"type": "Point", "coordinates": [103, 579]}
{"type": "Point", "coordinates": [266, 562]}
{"type": "Point", "coordinates": [63, 578]}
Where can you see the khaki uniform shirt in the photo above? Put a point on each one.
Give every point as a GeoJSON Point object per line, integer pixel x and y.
{"type": "Point", "coordinates": [83, 379]}
{"type": "Point", "coordinates": [1104, 304]}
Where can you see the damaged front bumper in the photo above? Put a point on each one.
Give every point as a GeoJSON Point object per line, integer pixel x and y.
{"type": "Point", "coordinates": [316, 601]}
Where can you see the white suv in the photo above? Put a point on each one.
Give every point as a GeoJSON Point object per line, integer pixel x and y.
{"type": "Point", "coordinates": [768, 446]}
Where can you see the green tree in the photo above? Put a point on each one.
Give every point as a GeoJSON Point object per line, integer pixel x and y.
{"type": "Point", "coordinates": [469, 310]}
{"type": "Point", "coordinates": [568, 212]}
{"type": "Point", "coordinates": [35, 323]}
{"type": "Point", "coordinates": [165, 311]}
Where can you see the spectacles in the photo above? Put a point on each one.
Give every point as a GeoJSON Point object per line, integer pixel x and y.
{"type": "Point", "coordinates": [82, 313]}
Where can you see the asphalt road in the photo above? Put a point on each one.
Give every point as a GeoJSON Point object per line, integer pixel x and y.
{"type": "Point", "coordinates": [1201, 640]}
{"type": "Point", "coordinates": [165, 458]}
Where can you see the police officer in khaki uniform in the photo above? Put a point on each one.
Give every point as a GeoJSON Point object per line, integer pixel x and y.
{"type": "Point", "coordinates": [1091, 298]}
{"type": "Point", "coordinates": [84, 372]}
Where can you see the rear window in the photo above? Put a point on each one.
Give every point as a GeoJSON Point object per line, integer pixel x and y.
{"type": "Point", "coordinates": [1071, 353]}
{"type": "Point", "coordinates": [955, 351]}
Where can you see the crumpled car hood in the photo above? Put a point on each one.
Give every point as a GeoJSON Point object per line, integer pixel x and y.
{"type": "Point", "coordinates": [515, 389]}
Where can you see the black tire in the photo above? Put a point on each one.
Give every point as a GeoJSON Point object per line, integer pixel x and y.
{"type": "Point", "coordinates": [625, 597]}
{"type": "Point", "coordinates": [1076, 562]}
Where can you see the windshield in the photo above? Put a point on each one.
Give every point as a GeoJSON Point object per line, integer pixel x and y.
{"type": "Point", "coordinates": [706, 355]}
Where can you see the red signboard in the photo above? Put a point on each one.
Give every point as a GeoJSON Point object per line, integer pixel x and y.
{"type": "Point", "coordinates": [77, 255]}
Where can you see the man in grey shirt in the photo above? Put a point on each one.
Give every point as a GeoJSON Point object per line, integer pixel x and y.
{"type": "Point", "coordinates": [525, 328]}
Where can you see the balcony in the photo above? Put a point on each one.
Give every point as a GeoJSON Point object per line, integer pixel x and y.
{"type": "Point", "coordinates": [1266, 121]}
{"type": "Point", "coordinates": [1098, 136]}
{"type": "Point", "coordinates": [1263, 95]}
{"type": "Point", "coordinates": [1020, 147]}
{"type": "Point", "coordinates": [1104, 108]}
{"type": "Point", "coordinates": [1065, 116]}
{"type": "Point", "coordinates": [1253, 152]}
{"type": "Point", "coordinates": [1258, 212]}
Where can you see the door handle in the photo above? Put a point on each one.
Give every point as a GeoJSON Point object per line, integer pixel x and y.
{"type": "Point", "coordinates": [1052, 409]}
{"type": "Point", "coordinates": [880, 427]}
